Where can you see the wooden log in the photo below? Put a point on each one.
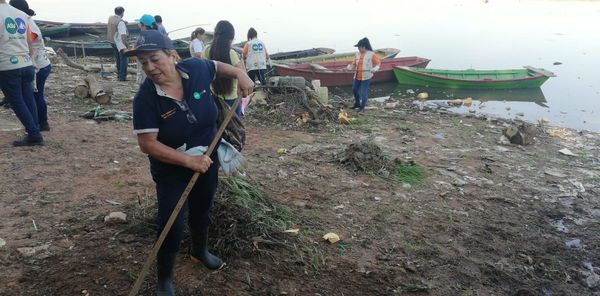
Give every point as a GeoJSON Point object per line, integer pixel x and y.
{"type": "Point", "coordinates": [82, 90]}
{"type": "Point", "coordinates": [97, 91]}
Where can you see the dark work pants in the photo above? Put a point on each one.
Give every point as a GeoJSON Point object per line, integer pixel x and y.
{"type": "Point", "coordinates": [169, 189]}
{"type": "Point", "coordinates": [123, 60]}
{"type": "Point", "coordinates": [258, 74]}
{"type": "Point", "coordinates": [17, 88]}
{"type": "Point", "coordinates": [40, 100]}
{"type": "Point", "coordinates": [117, 56]}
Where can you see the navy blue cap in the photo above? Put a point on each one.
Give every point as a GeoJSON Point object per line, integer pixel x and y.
{"type": "Point", "coordinates": [150, 40]}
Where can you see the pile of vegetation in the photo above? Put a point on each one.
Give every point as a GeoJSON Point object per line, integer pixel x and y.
{"type": "Point", "coordinates": [368, 157]}
{"type": "Point", "coordinates": [291, 108]}
{"type": "Point", "coordinates": [244, 217]}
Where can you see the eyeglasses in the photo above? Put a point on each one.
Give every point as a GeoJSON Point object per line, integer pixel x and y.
{"type": "Point", "coordinates": [186, 108]}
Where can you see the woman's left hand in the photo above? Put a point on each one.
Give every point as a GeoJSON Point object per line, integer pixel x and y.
{"type": "Point", "coordinates": [245, 84]}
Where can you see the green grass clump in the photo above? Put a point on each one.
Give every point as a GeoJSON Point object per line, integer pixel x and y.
{"type": "Point", "coordinates": [410, 173]}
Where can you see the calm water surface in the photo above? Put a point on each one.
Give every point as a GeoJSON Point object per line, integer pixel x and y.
{"type": "Point", "coordinates": [498, 34]}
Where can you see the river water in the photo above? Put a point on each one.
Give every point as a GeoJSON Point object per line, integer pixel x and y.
{"type": "Point", "coordinates": [478, 34]}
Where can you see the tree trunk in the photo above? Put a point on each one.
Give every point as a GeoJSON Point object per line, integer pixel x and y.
{"type": "Point", "coordinates": [97, 91]}
{"type": "Point", "coordinates": [82, 90]}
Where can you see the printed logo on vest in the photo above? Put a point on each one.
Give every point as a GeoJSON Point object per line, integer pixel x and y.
{"type": "Point", "coordinates": [257, 47]}
{"type": "Point", "coordinates": [10, 25]}
{"type": "Point", "coordinates": [21, 27]}
{"type": "Point", "coordinates": [14, 60]}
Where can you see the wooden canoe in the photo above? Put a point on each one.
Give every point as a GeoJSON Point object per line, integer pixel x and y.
{"type": "Point", "coordinates": [476, 79]}
{"type": "Point", "coordinates": [297, 54]}
{"type": "Point", "coordinates": [103, 48]}
{"type": "Point", "coordinates": [383, 53]}
{"type": "Point", "coordinates": [335, 74]}
{"type": "Point", "coordinates": [58, 31]}
{"type": "Point", "coordinates": [97, 28]}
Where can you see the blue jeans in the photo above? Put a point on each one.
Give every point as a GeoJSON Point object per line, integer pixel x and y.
{"type": "Point", "coordinates": [40, 100]}
{"type": "Point", "coordinates": [238, 111]}
{"type": "Point", "coordinates": [168, 191]}
{"type": "Point", "coordinates": [17, 88]}
{"type": "Point", "coordinates": [360, 89]}
{"type": "Point", "coordinates": [123, 60]}
{"type": "Point", "coordinates": [117, 56]}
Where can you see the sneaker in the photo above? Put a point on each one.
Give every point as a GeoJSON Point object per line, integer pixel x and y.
{"type": "Point", "coordinates": [30, 141]}
{"type": "Point", "coordinates": [44, 127]}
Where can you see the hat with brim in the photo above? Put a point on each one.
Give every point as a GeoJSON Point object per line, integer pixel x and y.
{"type": "Point", "coordinates": [150, 40]}
{"type": "Point", "coordinates": [23, 6]}
{"type": "Point", "coordinates": [146, 20]}
{"type": "Point", "coordinates": [362, 42]}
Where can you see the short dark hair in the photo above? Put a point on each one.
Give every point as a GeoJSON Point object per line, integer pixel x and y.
{"type": "Point", "coordinates": [119, 10]}
{"type": "Point", "coordinates": [158, 18]}
{"type": "Point", "coordinates": [252, 34]}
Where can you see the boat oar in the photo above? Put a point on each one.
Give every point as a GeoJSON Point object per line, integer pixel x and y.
{"type": "Point", "coordinates": [182, 199]}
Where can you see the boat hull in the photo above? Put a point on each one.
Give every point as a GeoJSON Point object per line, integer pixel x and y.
{"type": "Point", "coordinates": [472, 79]}
{"type": "Point", "coordinates": [384, 53]}
{"type": "Point", "coordinates": [337, 76]}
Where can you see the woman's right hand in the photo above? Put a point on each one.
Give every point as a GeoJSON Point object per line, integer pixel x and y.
{"type": "Point", "coordinates": [199, 164]}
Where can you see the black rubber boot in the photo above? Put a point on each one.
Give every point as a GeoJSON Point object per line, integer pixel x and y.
{"type": "Point", "coordinates": [165, 266]}
{"type": "Point", "coordinates": [44, 126]}
{"type": "Point", "coordinates": [199, 251]}
{"type": "Point", "coordinates": [30, 141]}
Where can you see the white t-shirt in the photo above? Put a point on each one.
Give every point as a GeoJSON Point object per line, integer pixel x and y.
{"type": "Point", "coordinates": [121, 30]}
{"type": "Point", "coordinates": [40, 59]}
{"type": "Point", "coordinates": [197, 46]}
{"type": "Point", "coordinates": [14, 51]}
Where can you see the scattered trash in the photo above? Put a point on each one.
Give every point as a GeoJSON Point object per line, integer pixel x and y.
{"type": "Point", "coordinates": [331, 237]}
{"type": "Point", "coordinates": [30, 251]}
{"type": "Point", "coordinates": [467, 102]}
{"type": "Point", "coordinates": [377, 198]}
{"type": "Point", "coordinates": [520, 114]}
{"type": "Point", "coordinates": [391, 105]}
{"type": "Point", "coordinates": [2, 243]}
{"type": "Point", "coordinates": [100, 114]}
{"type": "Point", "coordinates": [344, 118]}
{"type": "Point", "coordinates": [456, 102]}
{"type": "Point", "coordinates": [588, 265]}
{"type": "Point", "coordinates": [561, 133]}
{"type": "Point", "coordinates": [574, 243]}
{"type": "Point", "coordinates": [115, 218]}
{"type": "Point", "coordinates": [523, 134]}
{"type": "Point", "coordinates": [282, 151]}
{"type": "Point", "coordinates": [293, 232]}
{"type": "Point", "coordinates": [504, 140]}
{"type": "Point", "coordinates": [423, 96]}
{"type": "Point", "coordinates": [304, 148]}
{"type": "Point", "coordinates": [439, 137]}
{"type": "Point", "coordinates": [112, 202]}
{"type": "Point", "coordinates": [567, 152]}
{"type": "Point", "coordinates": [578, 185]}
{"type": "Point", "coordinates": [559, 225]}
{"type": "Point", "coordinates": [380, 99]}
{"type": "Point", "coordinates": [592, 281]}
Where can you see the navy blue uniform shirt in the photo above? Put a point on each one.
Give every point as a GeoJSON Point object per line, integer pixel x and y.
{"type": "Point", "coordinates": [155, 112]}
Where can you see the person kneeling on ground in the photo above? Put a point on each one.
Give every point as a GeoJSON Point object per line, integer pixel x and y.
{"type": "Point", "coordinates": [173, 110]}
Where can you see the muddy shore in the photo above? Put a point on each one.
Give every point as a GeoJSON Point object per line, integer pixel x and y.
{"type": "Point", "coordinates": [483, 218]}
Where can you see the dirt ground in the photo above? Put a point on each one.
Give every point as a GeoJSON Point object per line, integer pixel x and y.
{"type": "Point", "coordinates": [483, 218]}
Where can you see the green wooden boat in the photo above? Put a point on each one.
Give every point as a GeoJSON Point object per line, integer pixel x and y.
{"type": "Point", "coordinates": [57, 31]}
{"type": "Point", "coordinates": [476, 79]}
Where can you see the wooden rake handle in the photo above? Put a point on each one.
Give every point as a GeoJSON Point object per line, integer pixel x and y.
{"type": "Point", "coordinates": [182, 200]}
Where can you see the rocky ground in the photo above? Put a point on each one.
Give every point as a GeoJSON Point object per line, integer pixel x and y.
{"type": "Point", "coordinates": [452, 212]}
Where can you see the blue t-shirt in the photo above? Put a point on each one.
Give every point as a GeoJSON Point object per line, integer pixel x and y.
{"type": "Point", "coordinates": [154, 112]}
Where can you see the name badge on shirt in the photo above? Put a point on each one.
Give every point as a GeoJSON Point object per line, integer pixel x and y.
{"type": "Point", "coordinates": [198, 95]}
